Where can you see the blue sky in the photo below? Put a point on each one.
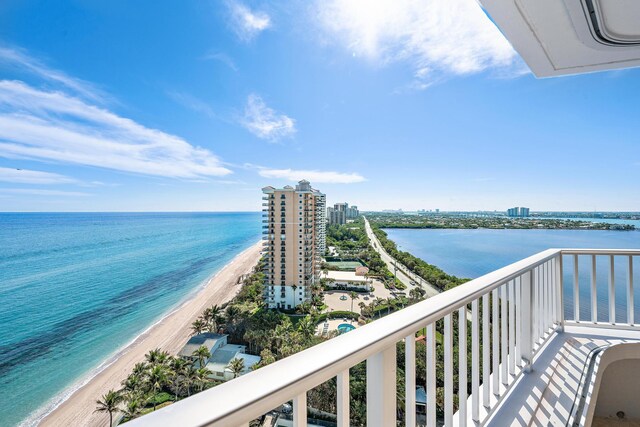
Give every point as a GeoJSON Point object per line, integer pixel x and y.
{"type": "Point", "coordinates": [414, 104]}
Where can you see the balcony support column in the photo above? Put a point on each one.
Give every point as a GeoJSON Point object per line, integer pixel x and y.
{"type": "Point", "coordinates": [526, 323]}
{"type": "Point", "coordinates": [381, 388]}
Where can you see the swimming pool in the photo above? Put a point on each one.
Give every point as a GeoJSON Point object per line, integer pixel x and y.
{"type": "Point", "coordinates": [345, 327]}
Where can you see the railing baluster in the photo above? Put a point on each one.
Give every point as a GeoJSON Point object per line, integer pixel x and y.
{"type": "Point", "coordinates": [448, 369]}
{"type": "Point", "coordinates": [612, 291]}
{"type": "Point", "coordinates": [594, 292]}
{"type": "Point", "coordinates": [630, 302]}
{"type": "Point", "coordinates": [518, 321]}
{"type": "Point", "coordinates": [512, 328]}
{"type": "Point", "coordinates": [544, 298]}
{"type": "Point", "coordinates": [576, 290]}
{"type": "Point", "coordinates": [547, 296]}
{"type": "Point", "coordinates": [526, 305]}
{"type": "Point", "coordinates": [342, 387]}
{"type": "Point", "coordinates": [381, 387]}
{"type": "Point", "coordinates": [300, 410]}
{"type": "Point", "coordinates": [410, 380]}
{"type": "Point", "coordinates": [495, 349]}
{"type": "Point", "coordinates": [475, 362]}
{"type": "Point", "coordinates": [559, 291]}
{"type": "Point", "coordinates": [431, 376]}
{"type": "Point", "coordinates": [486, 351]}
{"type": "Point", "coordinates": [462, 366]}
{"type": "Point", "coordinates": [535, 315]}
{"type": "Point", "coordinates": [549, 278]}
{"type": "Point", "coordinates": [504, 339]}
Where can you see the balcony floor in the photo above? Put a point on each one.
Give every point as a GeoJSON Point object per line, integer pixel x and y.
{"type": "Point", "coordinates": [549, 394]}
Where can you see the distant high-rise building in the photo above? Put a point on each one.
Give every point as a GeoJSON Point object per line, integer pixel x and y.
{"type": "Point", "coordinates": [518, 212]}
{"type": "Point", "coordinates": [341, 212]}
{"type": "Point", "coordinates": [294, 225]}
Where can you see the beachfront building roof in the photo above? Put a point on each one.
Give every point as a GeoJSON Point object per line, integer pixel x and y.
{"type": "Point", "coordinates": [210, 340]}
{"type": "Point", "coordinates": [219, 362]}
{"type": "Point", "coordinates": [348, 280]}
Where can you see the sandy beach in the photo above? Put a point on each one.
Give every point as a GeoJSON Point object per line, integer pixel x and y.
{"type": "Point", "coordinates": [170, 334]}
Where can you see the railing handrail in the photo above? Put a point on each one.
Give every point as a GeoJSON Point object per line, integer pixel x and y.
{"type": "Point", "coordinates": [632, 252]}
{"type": "Point", "coordinates": [263, 390]}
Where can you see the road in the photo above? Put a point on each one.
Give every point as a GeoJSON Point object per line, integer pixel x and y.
{"type": "Point", "coordinates": [403, 274]}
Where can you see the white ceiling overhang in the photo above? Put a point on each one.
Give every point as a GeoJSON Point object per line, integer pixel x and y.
{"type": "Point", "coordinates": [557, 37]}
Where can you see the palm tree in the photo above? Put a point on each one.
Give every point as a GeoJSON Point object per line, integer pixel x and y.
{"type": "Point", "coordinates": [178, 368]}
{"type": "Point", "coordinates": [237, 366]}
{"type": "Point", "coordinates": [202, 353]}
{"type": "Point", "coordinates": [153, 356]}
{"type": "Point", "coordinates": [198, 327]}
{"type": "Point", "coordinates": [307, 328]}
{"type": "Point", "coordinates": [131, 386]}
{"type": "Point", "coordinates": [133, 408]}
{"type": "Point", "coordinates": [163, 358]}
{"type": "Point", "coordinates": [158, 377]}
{"type": "Point", "coordinates": [353, 296]}
{"type": "Point", "coordinates": [109, 403]}
{"type": "Point", "coordinates": [140, 369]}
{"type": "Point", "coordinates": [202, 377]}
{"type": "Point", "coordinates": [294, 287]}
{"type": "Point", "coordinates": [231, 313]}
{"type": "Point", "coordinates": [190, 378]}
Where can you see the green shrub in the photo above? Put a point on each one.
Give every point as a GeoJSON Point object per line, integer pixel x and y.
{"type": "Point", "coordinates": [337, 315]}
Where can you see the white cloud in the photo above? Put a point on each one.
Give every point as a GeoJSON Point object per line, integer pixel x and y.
{"type": "Point", "coordinates": [39, 192]}
{"type": "Point", "coordinates": [327, 177]}
{"type": "Point", "coordinates": [54, 126]}
{"type": "Point", "coordinates": [437, 37]}
{"type": "Point", "coordinates": [264, 122]}
{"type": "Point", "coordinates": [247, 23]}
{"type": "Point", "coordinates": [25, 176]}
{"type": "Point", "coordinates": [18, 58]}
{"type": "Point", "coordinates": [222, 57]}
{"type": "Point", "coordinates": [192, 103]}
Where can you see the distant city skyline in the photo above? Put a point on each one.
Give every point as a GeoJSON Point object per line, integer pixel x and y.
{"type": "Point", "coordinates": [135, 106]}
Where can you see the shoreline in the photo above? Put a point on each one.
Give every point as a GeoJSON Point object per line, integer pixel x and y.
{"type": "Point", "coordinates": [76, 403]}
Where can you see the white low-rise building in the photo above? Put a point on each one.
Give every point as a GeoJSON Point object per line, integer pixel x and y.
{"type": "Point", "coordinates": [219, 362]}
{"type": "Point", "coordinates": [347, 280]}
{"type": "Point", "coordinates": [221, 355]}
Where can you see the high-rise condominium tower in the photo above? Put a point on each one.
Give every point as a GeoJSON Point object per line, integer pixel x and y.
{"type": "Point", "coordinates": [294, 222]}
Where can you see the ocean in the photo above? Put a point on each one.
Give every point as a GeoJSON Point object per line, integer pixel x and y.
{"type": "Point", "coordinates": [77, 287]}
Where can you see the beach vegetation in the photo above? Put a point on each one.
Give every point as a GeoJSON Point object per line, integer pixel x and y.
{"type": "Point", "coordinates": [109, 403]}
{"type": "Point", "coordinates": [236, 366]}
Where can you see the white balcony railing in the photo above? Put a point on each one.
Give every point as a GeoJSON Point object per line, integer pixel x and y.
{"type": "Point", "coordinates": [514, 310]}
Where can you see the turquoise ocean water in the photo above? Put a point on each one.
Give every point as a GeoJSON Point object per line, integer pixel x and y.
{"type": "Point", "coordinates": [77, 287]}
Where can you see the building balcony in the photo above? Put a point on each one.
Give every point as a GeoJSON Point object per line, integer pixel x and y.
{"type": "Point", "coordinates": [524, 350]}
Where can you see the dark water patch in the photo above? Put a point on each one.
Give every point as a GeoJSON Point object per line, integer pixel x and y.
{"type": "Point", "coordinates": [40, 346]}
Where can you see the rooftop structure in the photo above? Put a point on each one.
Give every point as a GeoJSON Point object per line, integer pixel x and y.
{"type": "Point", "coordinates": [218, 364]}
{"type": "Point", "coordinates": [210, 340]}
{"type": "Point", "coordinates": [348, 279]}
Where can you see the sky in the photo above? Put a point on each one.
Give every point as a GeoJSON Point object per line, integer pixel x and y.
{"type": "Point", "coordinates": [414, 104]}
